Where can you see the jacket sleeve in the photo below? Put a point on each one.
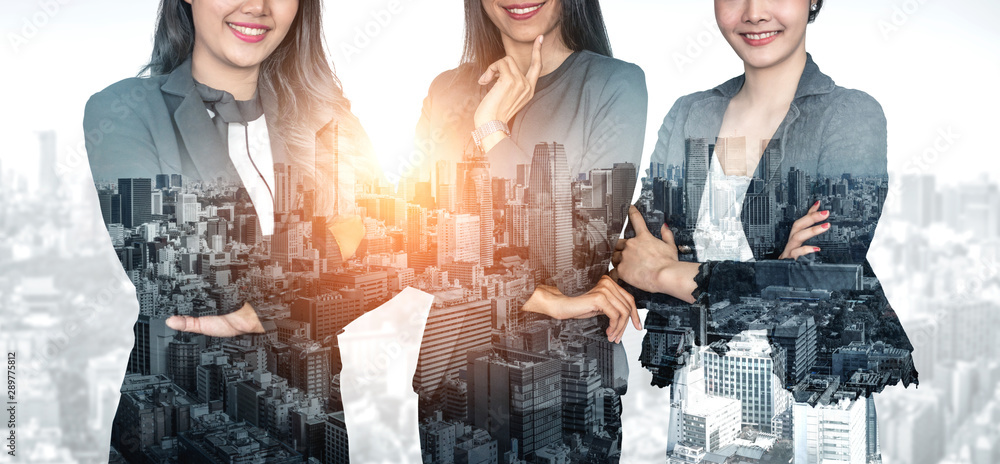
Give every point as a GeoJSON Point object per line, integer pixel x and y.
{"type": "Point", "coordinates": [117, 140]}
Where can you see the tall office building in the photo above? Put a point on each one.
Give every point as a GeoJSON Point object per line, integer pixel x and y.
{"type": "Point", "coordinates": [798, 337]}
{"type": "Point", "coordinates": [523, 174]}
{"type": "Point", "coordinates": [550, 213]}
{"type": "Point", "coordinates": [831, 432]}
{"type": "Point", "coordinates": [582, 401]}
{"type": "Point", "coordinates": [657, 170]}
{"type": "Point", "coordinates": [760, 205]}
{"type": "Point", "coordinates": [187, 208]}
{"type": "Point", "coordinates": [752, 371]}
{"type": "Point", "coordinates": [478, 200]}
{"type": "Point", "coordinates": [136, 198]}
{"type": "Point", "coordinates": [182, 362]}
{"type": "Point", "coordinates": [452, 330]}
{"type": "Point", "coordinates": [328, 313]}
{"type": "Point", "coordinates": [516, 395]}
{"type": "Point", "coordinates": [157, 205]}
{"type": "Point", "coordinates": [711, 422]}
{"type": "Point", "coordinates": [516, 225]}
{"type": "Point", "coordinates": [287, 243]}
{"type": "Point", "coordinates": [162, 181]}
{"type": "Point", "coordinates": [111, 207]}
{"type": "Point", "coordinates": [459, 238]}
{"type": "Point", "coordinates": [623, 176]}
{"type": "Point", "coordinates": [600, 187]}
{"type": "Point", "coordinates": [335, 177]}
{"type": "Point", "coordinates": [284, 189]}
{"type": "Point", "coordinates": [416, 229]}
{"type": "Point", "coordinates": [696, 171]}
{"type": "Point", "coordinates": [798, 192]}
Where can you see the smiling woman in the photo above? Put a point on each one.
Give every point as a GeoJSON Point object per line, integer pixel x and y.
{"type": "Point", "coordinates": [213, 172]}
{"type": "Point", "coordinates": [535, 141]}
{"type": "Point", "coordinates": [778, 293]}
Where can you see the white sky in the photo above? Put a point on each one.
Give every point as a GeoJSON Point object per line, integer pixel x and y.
{"type": "Point", "coordinates": [931, 74]}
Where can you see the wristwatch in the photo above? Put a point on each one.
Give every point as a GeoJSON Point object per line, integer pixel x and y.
{"type": "Point", "coordinates": [488, 129]}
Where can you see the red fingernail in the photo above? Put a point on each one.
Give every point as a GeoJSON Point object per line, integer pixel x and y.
{"type": "Point", "coordinates": [817, 202]}
{"type": "Point", "coordinates": [826, 226]}
{"type": "Point", "coordinates": [815, 248]}
{"type": "Point", "coordinates": [826, 213]}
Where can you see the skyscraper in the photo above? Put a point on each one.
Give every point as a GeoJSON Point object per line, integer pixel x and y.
{"type": "Point", "coordinates": [532, 416]}
{"type": "Point", "coordinates": [453, 330]}
{"type": "Point", "coordinates": [623, 177]}
{"type": "Point", "coordinates": [696, 171]}
{"type": "Point", "coordinates": [136, 198]}
{"type": "Point", "coordinates": [478, 200]}
{"type": "Point", "coordinates": [157, 205]}
{"type": "Point", "coordinates": [798, 193]}
{"type": "Point", "coordinates": [550, 212]}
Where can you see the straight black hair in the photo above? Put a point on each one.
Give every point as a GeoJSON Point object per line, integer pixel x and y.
{"type": "Point", "coordinates": [582, 27]}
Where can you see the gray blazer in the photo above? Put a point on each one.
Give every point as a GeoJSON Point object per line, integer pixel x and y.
{"type": "Point", "coordinates": [141, 127]}
{"type": "Point", "coordinates": [829, 131]}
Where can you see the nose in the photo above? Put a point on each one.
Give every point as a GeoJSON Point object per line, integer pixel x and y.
{"type": "Point", "coordinates": [255, 7]}
{"type": "Point", "coordinates": [756, 11]}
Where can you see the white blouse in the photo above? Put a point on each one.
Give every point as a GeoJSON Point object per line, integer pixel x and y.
{"type": "Point", "coordinates": [255, 153]}
{"type": "Point", "coordinates": [718, 235]}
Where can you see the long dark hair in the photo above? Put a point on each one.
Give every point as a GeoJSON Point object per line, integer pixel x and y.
{"type": "Point", "coordinates": [297, 74]}
{"type": "Point", "coordinates": [582, 27]}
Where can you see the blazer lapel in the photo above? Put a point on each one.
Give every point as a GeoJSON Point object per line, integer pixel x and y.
{"type": "Point", "coordinates": [204, 145]}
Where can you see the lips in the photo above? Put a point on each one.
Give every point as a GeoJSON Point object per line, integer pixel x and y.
{"type": "Point", "coordinates": [249, 32]}
{"type": "Point", "coordinates": [523, 11]}
{"type": "Point", "coordinates": [758, 39]}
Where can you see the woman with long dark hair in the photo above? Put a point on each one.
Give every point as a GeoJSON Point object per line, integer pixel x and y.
{"type": "Point", "coordinates": [226, 64]}
{"type": "Point", "coordinates": [539, 117]}
{"type": "Point", "coordinates": [778, 293]}
{"type": "Point", "coordinates": [222, 172]}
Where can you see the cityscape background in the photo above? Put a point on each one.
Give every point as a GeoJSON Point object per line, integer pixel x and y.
{"type": "Point", "coordinates": [934, 252]}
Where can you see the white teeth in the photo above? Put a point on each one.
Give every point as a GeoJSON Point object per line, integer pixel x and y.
{"type": "Point", "coordinates": [761, 36]}
{"type": "Point", "coordinates": [247, 30]}
{"type": "Point", "coordinates": [524, 10]}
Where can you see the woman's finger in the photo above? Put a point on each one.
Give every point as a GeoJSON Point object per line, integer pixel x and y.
{"type": "Point", "coordinates": [620, 244]}
{"type": "Point", "coordinates": [491, 73]}
{"type": "Point", "coordinates": [638, 223]}
{"type": "Point", "coordinates": [801, 236]}
{"type": "Point", "coordinates": [802, 251]}
{"type": "Point", "coordinates": [667, 236]}
{"type": "Point", "coordinates": [633, 311]}
{"type": "Point", "coordinates": [617, 312]}
{"type": "Point", "coordinates": [535, 68]}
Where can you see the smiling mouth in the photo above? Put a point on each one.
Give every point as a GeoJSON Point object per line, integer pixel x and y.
{"type": "Point", "coordinates": [247, 30]}
{"type": "Point", "coordinates": [761, 35]}
{"type": "Point", "coordinates": [521, 9]}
